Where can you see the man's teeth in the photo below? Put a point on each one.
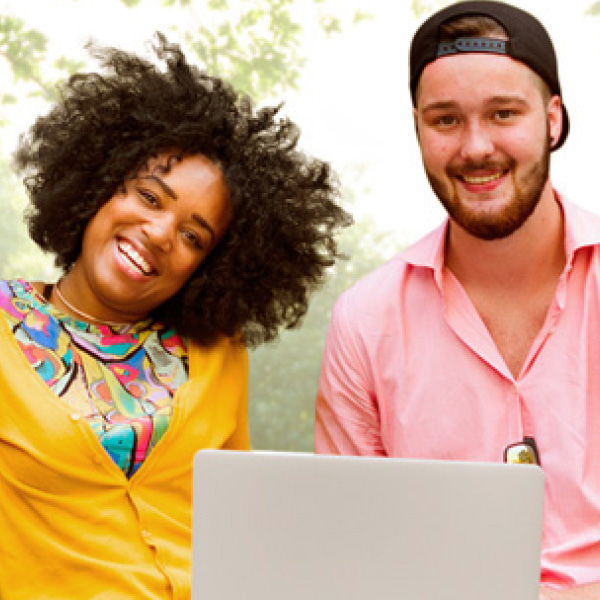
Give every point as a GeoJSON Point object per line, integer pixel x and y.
{"type": "Point", "coordinates": [482, 179]}
{"type": "Point", "coordinates": [135, 257]}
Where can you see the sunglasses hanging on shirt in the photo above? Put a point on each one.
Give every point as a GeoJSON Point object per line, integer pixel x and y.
{"type": "Point", "coordinates": [522, 453]}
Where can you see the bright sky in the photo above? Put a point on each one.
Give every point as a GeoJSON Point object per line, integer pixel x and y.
{"type": "Point", "coordinates": [353, 105]}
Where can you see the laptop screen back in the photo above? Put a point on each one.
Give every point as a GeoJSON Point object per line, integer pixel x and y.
{"type": "Point", "coordinates": [285, 526]}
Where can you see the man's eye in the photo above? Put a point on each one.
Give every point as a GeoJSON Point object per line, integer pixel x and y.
{"type": "Point", "coordinates": [446, 121]}
{"type": "Point", "coordinates": [504, 114]}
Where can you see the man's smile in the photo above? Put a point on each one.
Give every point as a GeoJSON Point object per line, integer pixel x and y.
{"type": "Point", "coordinates": [479, 179]}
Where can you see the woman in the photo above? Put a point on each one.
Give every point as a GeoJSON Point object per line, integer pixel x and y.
{"type": "Point", "coordinates": [188, 226]}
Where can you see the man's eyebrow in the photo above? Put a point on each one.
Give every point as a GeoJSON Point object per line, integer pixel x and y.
{"type": "Point", "coordinates": [169, 191]}
{"type": "Point", "coordinates": [508, 99]}
{"type": "Point", "coordinates": [440, 105]}
{"type": "Point", "coordinates": [494, 100]}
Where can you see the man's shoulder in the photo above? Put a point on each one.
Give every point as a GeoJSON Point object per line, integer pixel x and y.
{"type": "Point", "coordinates": [427, 253]}
{"type": "Point", "coordinates": [381, 290]}
{"type": "Point", "coordinates": [370, 306]}
{"type": "Point", "coordinates": [374, 284]}
{"type": "Point", "coordinates": [582, 225]}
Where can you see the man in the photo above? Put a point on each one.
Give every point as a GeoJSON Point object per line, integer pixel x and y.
{"type": "Point", "coordinates": [486, 333]}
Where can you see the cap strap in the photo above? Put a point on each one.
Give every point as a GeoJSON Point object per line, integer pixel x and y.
{"type": "Point", "coordinates": [492, 45]}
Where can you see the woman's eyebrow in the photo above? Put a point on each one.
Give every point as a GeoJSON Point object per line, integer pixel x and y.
{"type": "Point", "coordinates": [204, 224]}
{"type": "Point", "coordinates": [169, 191]}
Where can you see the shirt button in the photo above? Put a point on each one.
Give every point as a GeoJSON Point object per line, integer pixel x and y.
{"type": "Point", "coordinates": [146, 535]}
{"type": "Point", "coordinates": [75, 416]}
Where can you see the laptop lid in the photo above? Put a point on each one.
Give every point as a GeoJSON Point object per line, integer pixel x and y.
{"type": "Point", "coordinates": [287, 526]}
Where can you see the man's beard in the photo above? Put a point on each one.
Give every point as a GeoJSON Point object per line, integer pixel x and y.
{"type": "Point", "coordinates": [492, 226]}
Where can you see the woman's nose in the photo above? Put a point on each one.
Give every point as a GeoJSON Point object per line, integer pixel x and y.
{"type": "Point", "coordinates": [160, 231]}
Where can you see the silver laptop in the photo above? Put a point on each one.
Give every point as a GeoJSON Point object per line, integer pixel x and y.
{"type": "Point", "coordinates": [286, 526]}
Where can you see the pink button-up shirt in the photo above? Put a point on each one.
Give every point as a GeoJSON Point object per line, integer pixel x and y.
{"type": "Point", "coordinates": [410, 370]}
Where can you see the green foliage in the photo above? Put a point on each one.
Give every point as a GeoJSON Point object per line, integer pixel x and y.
{"type": "Point", "coordinates": [255, 46]}
{"type": "Point", "coordinates": [421, 8]}
{"type": "Point", "coordinates": [594, 9]}
{"type": "Point", "coordinates": [360, 16]}
{"type": "Point", "coordinates": [257, 49]}
{"type": "Point", "coordinates": [330, 24]}
{"type": "Point", "coordinates": [25, 51]}
{"type": "Point", "coordinates": [68, 65]}
{"type": "Point", "coordinates": [23, 48]}
{"type": "Point", "coordinates": [20, 256]}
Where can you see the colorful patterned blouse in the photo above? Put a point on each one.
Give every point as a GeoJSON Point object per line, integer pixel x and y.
{"type": "Point", "coordinates": [122, 379]}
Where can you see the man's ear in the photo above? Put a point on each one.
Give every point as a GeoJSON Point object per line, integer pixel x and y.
{"type": "Point", "coordinates": [555, 119]}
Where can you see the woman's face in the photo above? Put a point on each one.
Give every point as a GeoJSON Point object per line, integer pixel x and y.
{"type": "Point", "coordinates": [149, 238]}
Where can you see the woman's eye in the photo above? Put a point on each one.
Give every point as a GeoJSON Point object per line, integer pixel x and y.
{"type": "Point", "coordinates": [148, 197]}
{"type": "Point", "coordinates": [193, 239]}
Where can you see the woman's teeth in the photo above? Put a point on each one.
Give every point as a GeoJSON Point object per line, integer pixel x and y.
{"type": "Point", "coordinates": [135, 257]}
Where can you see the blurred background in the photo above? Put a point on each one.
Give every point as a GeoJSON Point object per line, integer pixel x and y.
{"type": "Point", "coordinates": [340, 67]}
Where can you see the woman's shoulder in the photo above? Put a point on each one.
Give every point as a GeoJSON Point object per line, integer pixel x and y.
{"type": "Point", "coordinates": [26, 304]}
{"type": "Point", "coordinates": [18, 297]}
{"type": "Point", "coordinates": [22, 288]}
{"type": "Point", "coordinates": [226, 354]}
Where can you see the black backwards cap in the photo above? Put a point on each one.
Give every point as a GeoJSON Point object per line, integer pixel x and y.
{"type": "Point", "coordinates": [528, 43]}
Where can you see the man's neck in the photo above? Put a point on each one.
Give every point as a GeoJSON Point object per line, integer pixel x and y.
{"type": "Point", "coordinates": [512, 281]}
{"type": "Point", "coordinates": [530, 256]}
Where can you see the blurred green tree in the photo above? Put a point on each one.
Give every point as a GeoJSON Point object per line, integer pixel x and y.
{"type": "Point", "coordinates": [284, 374]}
{"type": "Point", "coordinates": [255, 46]}
{"type": "Point", "coordinates": [16, 257]}
{"type": "Point", "coordinates": [593, 9]}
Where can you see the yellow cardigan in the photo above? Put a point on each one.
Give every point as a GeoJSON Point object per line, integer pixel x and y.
{"type": "Point", "coordinates": [72, 526]}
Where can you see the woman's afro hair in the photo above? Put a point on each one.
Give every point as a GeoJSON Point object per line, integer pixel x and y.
{"type": "Point", "coordinates": [108, 125]}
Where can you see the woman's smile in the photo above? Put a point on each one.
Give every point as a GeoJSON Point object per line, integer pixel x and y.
{"type": "Point", "coordinates": [129, 257]}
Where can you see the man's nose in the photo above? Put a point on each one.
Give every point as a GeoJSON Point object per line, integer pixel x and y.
{"type": "Point", "coordinates": [477, 143]}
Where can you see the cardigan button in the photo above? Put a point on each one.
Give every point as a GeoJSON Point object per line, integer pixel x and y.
{"type": "Point", "coordinates": [75, 416]}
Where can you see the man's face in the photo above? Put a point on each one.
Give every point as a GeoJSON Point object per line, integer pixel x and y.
{"type": "Point", "coordinates": [484, 130]}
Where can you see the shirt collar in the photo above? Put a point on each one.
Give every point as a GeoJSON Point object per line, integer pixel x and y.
{"type": "Point", "coordinates": [582, 229]}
